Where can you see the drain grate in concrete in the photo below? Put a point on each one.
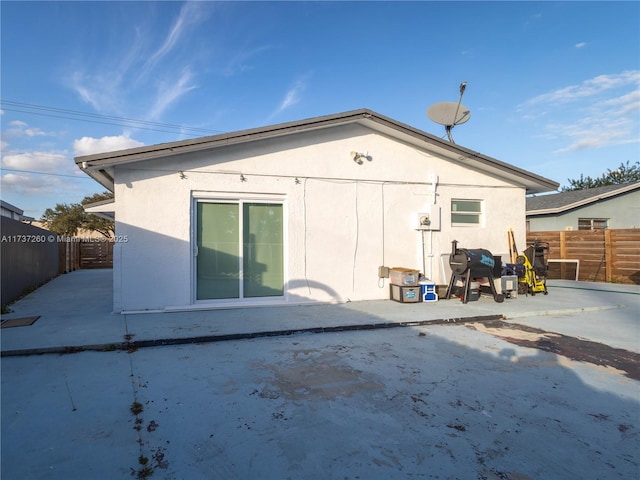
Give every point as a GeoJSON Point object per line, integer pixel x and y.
{"type": "Point", "coordinates": [19, 322]}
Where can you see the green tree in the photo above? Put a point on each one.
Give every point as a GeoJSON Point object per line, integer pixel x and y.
{"type": "Point", "coordinates": [64, 219]}
{"type": "Point", "coordinates": [95, 223]}
{"type": "Point", "coordinates": [625, 173]}
{"type": "Point", "coordinates": [67, 219]}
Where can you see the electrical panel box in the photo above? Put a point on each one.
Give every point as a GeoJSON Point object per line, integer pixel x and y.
{"type": "Point", "coordinates": [429, 219]}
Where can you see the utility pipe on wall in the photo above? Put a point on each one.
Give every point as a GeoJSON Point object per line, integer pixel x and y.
{"type": "Point", "coordinates": [433, 180]}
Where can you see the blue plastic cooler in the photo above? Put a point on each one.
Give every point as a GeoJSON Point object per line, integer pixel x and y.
{"type": "Point", "coordinates": [428, 291]}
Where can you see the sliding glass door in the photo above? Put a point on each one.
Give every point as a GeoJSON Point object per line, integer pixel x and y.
{"type": "Point", "coordinates": [240, 252]}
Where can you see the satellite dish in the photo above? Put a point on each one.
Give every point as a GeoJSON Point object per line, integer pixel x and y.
{"type": "Point", "coordinates": [450, 114]}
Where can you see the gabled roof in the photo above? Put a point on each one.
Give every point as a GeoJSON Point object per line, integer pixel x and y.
{"type": "Point", "coordinates": [100, 166]}
{"type": "Point", "coordinates": [561, 202]}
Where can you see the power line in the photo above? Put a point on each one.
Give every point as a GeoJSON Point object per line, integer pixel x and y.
{"type": "Point", "coordinates": [79, 177]}
{"type": "Point", "coordinates": [76, 115]}
{"type": "Point", "coordinates": [53, 155]}
{"type": "Point", "coordinates": [88, 121]}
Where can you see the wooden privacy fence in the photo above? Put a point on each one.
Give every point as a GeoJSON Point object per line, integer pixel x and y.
{"type": "Point", "coordinates": [77, 253]}
{"type": "Point", "coordinates": [96, 253]}
{"type": "Point", "coordinates": [596, 255]}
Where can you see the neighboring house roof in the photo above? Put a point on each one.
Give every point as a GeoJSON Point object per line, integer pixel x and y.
{"type": "Point", "coordinates": [11, 208]}
{"type": "Point", "coordinates": [564, 201]}
{"type": "Point", "coordinates": [11, 211]}
{"type": "Point", "coordinates": [100, 166]}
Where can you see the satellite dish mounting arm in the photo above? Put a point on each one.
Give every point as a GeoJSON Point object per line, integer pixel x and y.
{"type": "Point", "coordinates": [448, 130]}
{"type": "Point", "coordinates": [446, 113]}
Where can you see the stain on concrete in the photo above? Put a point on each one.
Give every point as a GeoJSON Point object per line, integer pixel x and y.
{"type": "Point", "coordinates": [317, 376]}
{"type": "Point", "coordinates": [579, 349]}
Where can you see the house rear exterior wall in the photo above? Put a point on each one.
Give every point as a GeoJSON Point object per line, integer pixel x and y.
{"type": "Point", "coordinates": [622, 211]}
{"type": "Point", "coordinates": [342, 220]}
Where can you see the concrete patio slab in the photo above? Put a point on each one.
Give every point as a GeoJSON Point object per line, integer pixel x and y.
{"type": "Point", "coordinates": [387, 404]}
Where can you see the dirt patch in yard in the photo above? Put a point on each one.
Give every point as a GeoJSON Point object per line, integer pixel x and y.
{"type": "Point", "coordinates": [628, 363]}
{"type": "Point", "coordinates": [314, 375]}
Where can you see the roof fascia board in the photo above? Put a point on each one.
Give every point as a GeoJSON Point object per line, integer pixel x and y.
{"type": "Point", "coordinates": [101, 176]}
{"type": "Point", "coordinates": [586, 201]}
{"type": "Point", "coordinates": [98, 206]}
{"type": "Point", "coordinates": [102, 208]}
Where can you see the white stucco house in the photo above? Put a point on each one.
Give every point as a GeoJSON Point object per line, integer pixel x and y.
{"type": "Point", "coordinates": [300, 212]}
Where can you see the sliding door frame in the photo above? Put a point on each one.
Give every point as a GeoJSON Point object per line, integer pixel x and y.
{"type": "Point", "coordinates": [238, 199]}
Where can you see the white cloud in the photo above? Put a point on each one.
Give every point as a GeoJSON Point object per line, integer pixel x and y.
{"type": "Point", "coordinates": [39, 173]}
{"type": "Point", "coordinates": [45, 162]}
{"type": "Point", "coordinates": [100, 90]}
{"type": "Point", "coordinates": [123, 77]}
{"type": "Point", "coordinates": [581, 44]}
{"type": "Point", "coordinates": [588, 88]}
{"type": "Point", "coordinates": [170, 93]}
{"type": "Point", "coordinates": [30, 184]}
{"type": "Point", "coordinates": [596, 113]}
{"type": "Point", "coordinates": [90, 145]}
{"type": "Point", "coordinates": [292, 97]}
{"type": "Point", "coordinates": [589, 133]}
{"type": "Point", "coordinates": [190, 15]}
{"type": "Point", "coordinates": [626, 104]}
{"type": "Point", "coordinates": [238, 63]}
{"type": "Point", "coordinates": [18, 128]}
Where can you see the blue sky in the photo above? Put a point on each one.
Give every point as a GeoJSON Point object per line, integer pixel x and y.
{"type": "Point", "coordinates": [553, 87]}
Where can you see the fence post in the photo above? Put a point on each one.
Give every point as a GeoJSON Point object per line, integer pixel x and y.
{"type": "Point", "coordinates": [61, 259]}
{"type": "Point", "coordinates": [76, 257]}
{"type": "Point", "coordinates": [608, 256]}
{"type": "Point", "coordinates": [563, 253]}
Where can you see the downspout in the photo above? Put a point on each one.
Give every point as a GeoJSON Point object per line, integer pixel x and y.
{"type": "Point", "coordinates": [433, 179]}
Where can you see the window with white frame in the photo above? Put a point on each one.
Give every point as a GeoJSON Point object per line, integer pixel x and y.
{"type": "Point", "coordinates": [592, 223]}
{"type": "Point", "coordinates": [465, 212]}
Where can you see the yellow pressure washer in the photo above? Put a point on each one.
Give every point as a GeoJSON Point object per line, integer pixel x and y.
{"type": "Point", "coordinates": [531, 267]}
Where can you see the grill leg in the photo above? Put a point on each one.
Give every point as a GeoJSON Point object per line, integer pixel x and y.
{"type": "Point", "coordinates": [450, 287]}
{"type": "Point", "coordinates": [498, 297]}
{"type": "Point", "coordinates": [467, 286]}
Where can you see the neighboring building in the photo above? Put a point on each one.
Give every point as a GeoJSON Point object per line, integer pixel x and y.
{"type": "Point", "coordinates": [11, 211]}
{"type": "Point", "coordinates": [81, 233]}
{"type": "Point", "coordinates": [300, 212]}
{"type": "Point", "coordinates": [611, 206]}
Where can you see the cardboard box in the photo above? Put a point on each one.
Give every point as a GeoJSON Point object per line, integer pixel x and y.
{"type": "Point", "coordinates": [404, 276]}
{"type": "Point", "coordinates": [405, 294]}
